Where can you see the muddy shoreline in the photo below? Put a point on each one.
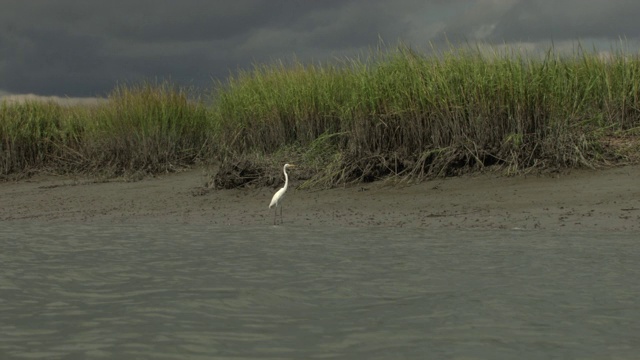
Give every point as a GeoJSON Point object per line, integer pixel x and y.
{"type": "Point", "coordinates": [607, 199]}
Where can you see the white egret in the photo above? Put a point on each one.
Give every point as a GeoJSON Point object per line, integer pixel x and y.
{"type": "Point", "coordinates": [277, 197]}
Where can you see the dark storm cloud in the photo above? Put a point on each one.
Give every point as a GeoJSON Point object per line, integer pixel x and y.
{"type": "Point", "coordinates": [569, 19]}
{"type": "Point", "coordinates": [543, 20]}
{"type": "Point", "coordinates": [86, 47]}
{"type": "Point", "coordinates": [46, 62]}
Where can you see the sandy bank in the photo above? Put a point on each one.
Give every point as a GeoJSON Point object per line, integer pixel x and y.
{"type": "Point", "coordinates": [581, 200]}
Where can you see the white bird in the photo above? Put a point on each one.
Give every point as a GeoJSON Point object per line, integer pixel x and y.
{"type": "Point", "coordinates": [277, 197]}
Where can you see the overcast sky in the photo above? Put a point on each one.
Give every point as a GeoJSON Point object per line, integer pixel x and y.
{"type": "Point", "coordinates": [83, 48]}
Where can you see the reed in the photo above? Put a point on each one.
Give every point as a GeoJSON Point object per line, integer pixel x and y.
{"type": "Point", "coordinates": [403, 113]}
{"type": "Point", "coordinates": [392, 113]}
{"type": "Point", "coordinates": [146, 128]}
{"type": "Point", "coordinates": [28, 132]}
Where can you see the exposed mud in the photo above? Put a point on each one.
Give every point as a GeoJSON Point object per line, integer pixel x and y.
{"type": "Point", "coordinates": [580, 200]}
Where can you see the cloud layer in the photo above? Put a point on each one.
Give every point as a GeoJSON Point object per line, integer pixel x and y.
{"type": "Point", "coordinates": [84, 48]}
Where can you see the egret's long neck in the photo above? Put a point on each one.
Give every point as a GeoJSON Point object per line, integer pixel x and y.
{"type": "Point", "coordinates": [286, 178]}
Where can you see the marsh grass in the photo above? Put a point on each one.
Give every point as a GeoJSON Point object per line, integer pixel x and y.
{"type": "Point", "coordinates": [415, 116]}
{"type": "Point", "coordinates": [141, 129]}
{"type": "Point", "coordinates": [150, 129]}
{"type": "Point", "coordinates": [28, 132]}
{"type": "Point", "coordinates": [393, 113]}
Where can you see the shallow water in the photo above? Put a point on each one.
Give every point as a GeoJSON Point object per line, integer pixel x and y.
{"type": "Point", "coordinates": [190, 292]}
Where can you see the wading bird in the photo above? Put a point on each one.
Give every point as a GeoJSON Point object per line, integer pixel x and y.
{"type": "Point", "coordinates": [277, 197]}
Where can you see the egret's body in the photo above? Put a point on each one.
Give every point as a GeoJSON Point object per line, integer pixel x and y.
{"type": "Point", "coordinates": [279, 195]}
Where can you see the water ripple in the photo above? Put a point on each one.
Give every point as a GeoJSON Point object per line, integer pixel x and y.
{"type": "Point", "coordinates": [180, 292]}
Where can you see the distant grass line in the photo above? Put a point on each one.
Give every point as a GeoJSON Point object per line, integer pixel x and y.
{"type": "Point", "coordinates": [396, 113]}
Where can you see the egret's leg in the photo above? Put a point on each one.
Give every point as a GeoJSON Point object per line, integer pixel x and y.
{"type": "Point", "coordinates": [281, 214]}
{"type": "Point", "coordinates": [275, 213]}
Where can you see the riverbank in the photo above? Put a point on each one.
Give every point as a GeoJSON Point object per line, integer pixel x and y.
{"type": "Point", "coordinates": [607, 199]}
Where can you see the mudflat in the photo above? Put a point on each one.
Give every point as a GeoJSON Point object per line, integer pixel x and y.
{"type": "Point", "coordinates": [604, 199]}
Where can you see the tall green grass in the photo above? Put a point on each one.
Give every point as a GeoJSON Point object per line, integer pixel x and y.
{"type": "Point", "coordinates": [404, 113]}
{"type": "Point", "coordinates": [146, 128]}
{"type": "Point", "coordinates": [395, 112]}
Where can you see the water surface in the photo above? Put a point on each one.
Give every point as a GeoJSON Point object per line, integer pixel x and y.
{"type": "Point", "coordinates": [202, 292]}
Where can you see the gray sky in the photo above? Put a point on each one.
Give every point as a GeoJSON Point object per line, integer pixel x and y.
{"type": "Point", "coordinates": [83, 48]}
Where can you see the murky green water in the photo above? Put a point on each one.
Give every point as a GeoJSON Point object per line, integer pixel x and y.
{"type": "Point", "coordinates": [198, 292]}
